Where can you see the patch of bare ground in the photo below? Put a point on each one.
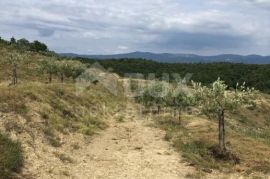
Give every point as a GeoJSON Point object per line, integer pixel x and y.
{"type": "Point", "coordinates": [129, 149]}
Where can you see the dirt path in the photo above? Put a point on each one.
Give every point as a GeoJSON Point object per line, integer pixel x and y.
{"type": "Point", "coordinates": [129, 149]}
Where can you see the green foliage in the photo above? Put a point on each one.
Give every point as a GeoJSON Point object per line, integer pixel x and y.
{"type": "Point", "coordinates": [37, 46]}
{"type": "Point", "coordinates": [49, 67]}
{"type": "Point", "coordinates": [64, 68]}
{"type": "Point", "coordinates": [11, 159]}
{"type": "Point", "coordinates": [14, 58]}
{"type": "Point", "coordinates": [70, 68]}
{"type": "Point", "coordinates": [154, 94]}
{"type": "Point", "coordinates": [180, 97]}
{"type": "Point", "coordinates": [162, 94]}
{"type": "Point", "coordinates": [254, 75]}
{"type": "Point", "coordinates": [24, 44]}
{"type": "Point", "coordinates": [216, 98]}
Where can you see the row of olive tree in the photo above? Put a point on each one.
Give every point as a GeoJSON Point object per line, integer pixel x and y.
{"type": "Point", "coordinates": [63, 68]}
{"type": "Point", "coordinates": [213, 101]}
{"type": "Point", "coordinates": [53, 66]}
{"type": "Point", "coordinates": [162, 94]}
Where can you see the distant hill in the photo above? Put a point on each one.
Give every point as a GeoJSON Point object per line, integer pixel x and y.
{"type": "Point", "coordinates": [181, 58]}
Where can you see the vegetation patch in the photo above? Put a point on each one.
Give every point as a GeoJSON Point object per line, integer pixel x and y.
{"type": "Point", "coordinates": [197, 142]}
{"type": "Point", "coordinates": [200, 153]}
{"type": "Point", "coordinates": [11, 158]}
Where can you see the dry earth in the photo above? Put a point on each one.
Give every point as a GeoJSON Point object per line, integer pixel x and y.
{"type": "Point", "coordinates": [128, 149]}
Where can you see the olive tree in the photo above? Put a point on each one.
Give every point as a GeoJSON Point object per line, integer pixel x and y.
{"type": "Point", "coordinates": [179, 98]}
{"type": "Point", "coordinates": [216, 100]}
{"type": "Point", "coordinates": [154, 95]}
{"type": "Point", "coordinates": [75, 69]}
{"type": "Point", "coordinates": [70, 69]}
{"type": "Point", "coordinates": [49, 67]}
{"type": "Point", "coordinates": [14, 58]}
{"type": "Point", "coordinates": [63, 69]}
{"type": "Point", "coordinates": [163, 94]}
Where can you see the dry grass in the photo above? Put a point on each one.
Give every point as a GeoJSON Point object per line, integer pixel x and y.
{"type": "Point", "coordinates": [11, 159]}
{"type": "Point", "coordinates": [247, 139]}
{"type": "Point", "coordinates": [52, 110]}
{"type": "Point", "coordinates": [60, 107]}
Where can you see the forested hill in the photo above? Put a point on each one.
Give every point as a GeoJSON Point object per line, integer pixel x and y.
{"type": "Point", "coordinates": [254, 75]}
{"type": "Point", "coordinates": [182, 58]}
{"type": "Point", "coordinates": [257, 76]}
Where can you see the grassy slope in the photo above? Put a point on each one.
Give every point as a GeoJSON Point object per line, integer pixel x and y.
{"type": "Point", "coordinates": [35, 108]}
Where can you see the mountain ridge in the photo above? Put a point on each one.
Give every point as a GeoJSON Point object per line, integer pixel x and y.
{"type": "Point", "coordinates": [180, 57]}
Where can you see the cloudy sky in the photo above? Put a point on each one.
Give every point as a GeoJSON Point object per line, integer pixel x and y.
{"type": "Point", "coordinates": [118, 26]}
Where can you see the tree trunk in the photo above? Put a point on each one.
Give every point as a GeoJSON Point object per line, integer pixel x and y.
{"type": "Point", "coordinates": [159, 108]}
{"type": "Point", "coordinates": [179, 115]}
{"type": "Point", "coordinates": [62, 78]}
{"type": "Point", "coordinates": [174, 112]}
{"type": "Point", "coordinates": [221, 127]}
{"type": "Point", "coordinates": [14, 75]}
{"type": "Point", "coordinates": [50, 77]}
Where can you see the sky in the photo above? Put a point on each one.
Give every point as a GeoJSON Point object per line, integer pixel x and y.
{"type": "Point", "coordinates": [205, 27]}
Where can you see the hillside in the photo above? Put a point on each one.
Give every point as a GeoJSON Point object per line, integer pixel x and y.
{"type": "Point", "coordinates": [48, 120]}
{"type": "Point", "coordinates": [180, 58]}
{"type": "Point", "coordinates": [53, 130]}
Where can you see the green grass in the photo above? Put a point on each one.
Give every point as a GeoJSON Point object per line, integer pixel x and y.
{"type": "Point", "coordinates": [11, 159]}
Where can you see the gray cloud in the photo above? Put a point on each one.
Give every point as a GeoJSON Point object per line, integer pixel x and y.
{"type": "Point", "coordinates": [262, 3]}
{"type": "Point", "coordinates": [105, 26]}
{"type": "Point", "coordinates": [46, 32]}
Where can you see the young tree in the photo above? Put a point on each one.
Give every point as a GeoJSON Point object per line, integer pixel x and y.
{"type": "Point", "coordinates": [70, 69]}
{"type": "Point", "coordinates": [145, 97]}
{"type": "Point", "coordinates": [154, 95]}
{"type": "Point", "coordinates": [179, 99]}
{"type": "Point", "coordinates": [49, 67]}
{"type": "Point", "coordinates": [13, 60]}
{"type": "Point", "coordinates": [74, 69]}
{"type": "Point", "coordinates": [62, 69]}
{"type": "Point", "coordinates": [216, 100]}
{"type": "Point", "coordinates": [159, 92]}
